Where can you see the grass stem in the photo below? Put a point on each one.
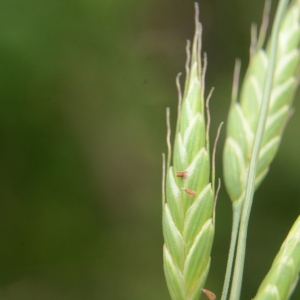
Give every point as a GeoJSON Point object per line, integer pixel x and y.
{"type": "Point", "coordinates": [237, 211]}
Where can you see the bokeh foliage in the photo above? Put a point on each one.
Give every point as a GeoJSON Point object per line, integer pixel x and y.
{"type": "Point", "coordinates": [83, 88]}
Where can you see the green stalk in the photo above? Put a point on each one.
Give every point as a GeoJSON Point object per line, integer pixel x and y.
{"type": "Point", "coordinates": [241, 247]}
{"type": "Point", "coordinates": [237, 210]}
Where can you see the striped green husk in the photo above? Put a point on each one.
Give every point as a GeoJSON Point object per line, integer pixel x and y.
{"type": "Point", "coordinates": [188, 214]}
{"type": "Point", "coordinates": [281, 280]}
{"type": "Point", "coordinates": [243, 116]}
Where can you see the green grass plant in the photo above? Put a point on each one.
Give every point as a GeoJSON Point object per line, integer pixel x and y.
{"type": "Point", "coordinates": [258, 115]}
{"type": "Point", "coordinates": [255, 125]}
{"type": "Point", "coordinates": [244, 115]}
{"type": "Point", "coordinates": [281, 280]}
{"type": "Point", "coordinates": [189, 235]}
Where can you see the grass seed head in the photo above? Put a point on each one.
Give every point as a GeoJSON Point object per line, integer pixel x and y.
{"type": "Point", "coordinates": [188, 225]}
{"type": "Point", "coordinates": [243, 115]}
{"type": "Point", "coordinates": [283, 275]}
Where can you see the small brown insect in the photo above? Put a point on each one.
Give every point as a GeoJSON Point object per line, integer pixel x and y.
{"type": "Point", "coordinates": [190, 192]}
{"type": "Point", "coordinates": [181, 174]}
{"type": "Point", "coordinates": [210, 295]}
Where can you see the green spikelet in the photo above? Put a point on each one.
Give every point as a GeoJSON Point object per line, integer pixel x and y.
{"type": "Point", "coordinates": [281, 280]}
{"type": "Point", "coordinates": [188, 225]}
{"type": "Point", "coordinates": [243, 116]}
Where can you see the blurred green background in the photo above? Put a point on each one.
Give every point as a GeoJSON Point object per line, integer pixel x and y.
{"type": "Point", "coordinates": [84, 85]}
